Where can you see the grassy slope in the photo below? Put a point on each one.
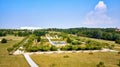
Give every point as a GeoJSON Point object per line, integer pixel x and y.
{"type": "Point", "coordinates": [11, 60]}
{"type": "Point", "coordinates": [117, 46]}
{"type": "Point", "coordinates": [76, 60]}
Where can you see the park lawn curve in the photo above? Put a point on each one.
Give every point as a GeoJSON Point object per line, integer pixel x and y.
{"type": "Point", "coordinates": [76, 59]}
{"type": "Point", "coordinates": [7, 60]}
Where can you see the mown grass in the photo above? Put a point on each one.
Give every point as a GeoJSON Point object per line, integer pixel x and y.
{"type": "Point", "coordinates": [99, 40]}
{"type": "Point", "coordinates": [76, 59]}
{"type": "Point", "coordinates": [7, 60]}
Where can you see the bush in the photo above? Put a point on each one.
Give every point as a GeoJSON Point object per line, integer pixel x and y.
{"type": "Point", "coordinates": [67, 47]}
{"type": "Point", "coordinates": [44, 48]}
{"type": "Point", "coordinates": [90, 53]}
{"type": "Point", "coordinates": [66, 56]}
{"type": "Point", "coordinates": [9, 49]}
{"type": "Point", "coordinates": [101, 64]}
{"type": "Point", "coordinates": [74, 47]}
{"type": "Point", "coordinates": [3, 40]}
{"type": "Point", "coordinates": [69, 40]}
{"type": "Point", "coordinates": [34, 49]}
{"type": "Point", "coordinates": [119, 52]}
{"type": "Point", "coordinates": [76, 42]}
{"type": "Point", "coordinates": [117, 41]}
{"type": "Point", "coordinates": [53, 48]}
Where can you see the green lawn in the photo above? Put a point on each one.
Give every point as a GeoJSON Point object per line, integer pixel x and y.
{"type": "Point", "coordinates": [11, 60]}
{"type": "Point", "coordinates": [76, 59]}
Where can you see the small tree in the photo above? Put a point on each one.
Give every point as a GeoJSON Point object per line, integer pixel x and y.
{"type": "Point", "coordinates": [69, 40]}
{"type": "Point", "coordinates": [34, 49]}
{"type": "Point", "coordinates": [119, 52]}
{"type": "Point", "coordinates": [3, 40]}
{"type": "Point", "coordinates": [117, 41]}
{"type": "Point", "coordinates": [10, 50]}
{"type": "Point", "coordinates": [38, 39]}
{"type": "Point", "coordinates": [101, 64]}
{"type": "Point", "coordinates": [53, 48]}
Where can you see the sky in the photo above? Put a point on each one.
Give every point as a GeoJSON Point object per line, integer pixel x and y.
{"type": "Point", "coordinates": [59, 13]}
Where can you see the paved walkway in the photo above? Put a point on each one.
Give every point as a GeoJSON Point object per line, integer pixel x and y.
{"type": "Point", "coordinates": [80, 51]}
{"type": "Point", "coordinates": [30, 61]}
{"type": "Point", "coordinates": [49, 40]}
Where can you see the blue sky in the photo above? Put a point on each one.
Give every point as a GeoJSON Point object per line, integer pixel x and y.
{"type": "Point", "coordinates": [59, 13]}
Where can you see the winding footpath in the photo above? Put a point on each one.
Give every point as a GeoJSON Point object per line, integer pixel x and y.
{"type": "Point", "coordinates": [30, 61]}
{"type": "Point", "coordinates": [49, 40]}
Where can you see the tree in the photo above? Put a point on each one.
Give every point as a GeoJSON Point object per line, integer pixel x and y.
{"type": "Point", "coordinates": [109, 36]}
{"type": "Point", "coordinates": [117, 41]}
{"type": "Point", "coordinates": [44, 48]}
{"type": "Point", "coordinates": [53, 48]}
{"type": "Point", "coordinates": [69, 40]}
{"type": "Point", "coordinates": [38, 39]}
{"type": "Point", "coordinates": [34, 49]}
{"type": "Point", "coordinates": [10, 50]}
{"type": "Point", "coordinates": [97, 34]}
{"type": "Point", "coordinates": [3, 40]}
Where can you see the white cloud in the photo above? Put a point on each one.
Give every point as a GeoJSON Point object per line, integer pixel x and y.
{"type": "Point", "coordinates": [101, 6]}
{"type": "Point", "coordinates": [98, 16]}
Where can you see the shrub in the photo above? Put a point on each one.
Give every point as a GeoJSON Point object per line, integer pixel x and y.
{"type": "Point", "coordinates": [69, 40]}
{"type": "Point", "coordinates": [9, 49]}
{"type": "Point", "coordinates": [3, 40]}
{"type": "Point", "coordinates": [53, 48]}
{"type": "Point", "coordinates": [44, 48]}
{"type": "Point", "coordinates": [90, 53]}
{"type": "Point", "coordinates": [117, 41]}
{"type": "Point", "coordinates": [101, 64]}
{"type": "Point", "coordinates": [66, 56]}
{"type": "Point", "coordinates": [119, 52]}
{"type": "Point", "coordinates": [34, 49]}
{"type": "Point", "coordinates": [74, 47]}
{"type": "Point", "coordinates": [67, 47]}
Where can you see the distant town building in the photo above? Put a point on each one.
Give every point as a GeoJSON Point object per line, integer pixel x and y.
{"type": "Point", "coordinates": [117, 30]}
{"type": "Point", "coordinates": [30, 28]}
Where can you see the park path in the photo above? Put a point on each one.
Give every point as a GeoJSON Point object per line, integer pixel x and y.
{"type": "Point", "coordinates": [30, 61]}
{"type": "Point", "coordinates": [49, 40]}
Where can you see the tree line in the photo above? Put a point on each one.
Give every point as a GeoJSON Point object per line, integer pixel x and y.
{"type": "Point", "coordinates": [98, 33]}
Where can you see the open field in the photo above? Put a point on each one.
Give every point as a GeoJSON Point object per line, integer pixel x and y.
{"type": "Point", "coordinates": [99, 40]}
{"type": "Point", "coordinates": [76, 59]}
{"type": "Point", "coordinates": [116, 47]}
{"type": "Point", "coordinates": [11, 60]}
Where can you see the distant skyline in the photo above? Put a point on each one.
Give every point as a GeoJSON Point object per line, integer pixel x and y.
{"type": "Point", "coordinates": [59, 13]}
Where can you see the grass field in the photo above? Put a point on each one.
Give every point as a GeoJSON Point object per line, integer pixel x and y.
{"type": "Point", "coordinates": [11, 60]}
{"type": "Point", "coordinates": [76, 59]}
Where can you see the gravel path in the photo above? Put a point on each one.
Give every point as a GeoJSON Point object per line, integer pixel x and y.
{"type": "Point", "coordinates": [30, 61]}
{"type": "Point", "coordinates": [80, 51]}
{"type": "Point", "coordinates": [50, 40]}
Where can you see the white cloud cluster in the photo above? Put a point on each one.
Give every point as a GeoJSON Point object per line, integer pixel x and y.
{"type": "Point", "coordinates": [98, 16]}
{"type": "Point", "coordinates": [100, 6]}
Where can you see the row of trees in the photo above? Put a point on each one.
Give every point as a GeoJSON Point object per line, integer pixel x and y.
{"type": "Point", "coordinates": [16, 46]}
{"type": "Point", "coordinates": [18, 32]}
{"type": "Point", "coordinates": [42, 48]}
